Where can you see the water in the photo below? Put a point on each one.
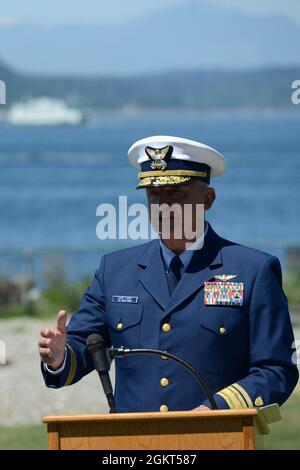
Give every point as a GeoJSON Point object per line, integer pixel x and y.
{"type": "Point", "coordinates": [52, 179]}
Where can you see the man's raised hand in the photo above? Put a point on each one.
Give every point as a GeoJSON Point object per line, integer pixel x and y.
{"type": "Point", "coordinates": [53, 342]}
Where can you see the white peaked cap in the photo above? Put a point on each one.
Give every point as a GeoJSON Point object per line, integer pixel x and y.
{"type": "Point", "coordinates": [174, 160]}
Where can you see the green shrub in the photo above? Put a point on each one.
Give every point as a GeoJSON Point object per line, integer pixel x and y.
{"type": "Point", "coordinates": [291, 284]}
{"type": "Point", "coordinates": [54, 298]}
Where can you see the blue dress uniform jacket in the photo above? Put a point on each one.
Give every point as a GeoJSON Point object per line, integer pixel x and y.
{"type": "Point", "coordinates": [244, 352]}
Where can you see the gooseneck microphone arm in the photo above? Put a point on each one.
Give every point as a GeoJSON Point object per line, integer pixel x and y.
{"type": "Point", "coordinates": [121, 352]}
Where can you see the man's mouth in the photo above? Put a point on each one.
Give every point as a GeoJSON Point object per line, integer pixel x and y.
{"type": "Point", "coordinates": [166, 216]}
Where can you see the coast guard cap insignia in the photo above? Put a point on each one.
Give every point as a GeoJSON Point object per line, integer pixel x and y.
{"type": "Point", "coordinates": [158, 155]}
{"type": "Point", "coordinates": [225, 277]}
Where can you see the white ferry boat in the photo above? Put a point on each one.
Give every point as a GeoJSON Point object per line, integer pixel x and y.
{"type": "Point", "coordinates": [43, 111]}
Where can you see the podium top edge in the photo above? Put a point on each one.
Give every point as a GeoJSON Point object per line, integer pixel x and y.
{"type": "Point", "coordinates": [152, 415]}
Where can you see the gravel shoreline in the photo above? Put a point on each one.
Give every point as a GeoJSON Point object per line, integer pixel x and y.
{"type": "Point", "coordinates": [24, 397]}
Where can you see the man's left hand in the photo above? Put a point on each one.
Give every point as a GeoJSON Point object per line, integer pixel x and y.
{"type": "Point", "coordinates": [201, 408]}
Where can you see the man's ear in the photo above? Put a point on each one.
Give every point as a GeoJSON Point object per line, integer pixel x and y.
{"type": "Point", "coordinates": [209, 198]}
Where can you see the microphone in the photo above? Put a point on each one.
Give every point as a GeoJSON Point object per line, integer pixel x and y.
{"type": "Point", "coordinates": [97, 348]}
{"type": "Point", "coordinates": [121, 352]}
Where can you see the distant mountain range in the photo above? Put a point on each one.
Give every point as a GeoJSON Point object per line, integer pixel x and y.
{"type": "Point", "coordinates": [190, 89]}
{"type": "Point", "coordinates": [195, 35]}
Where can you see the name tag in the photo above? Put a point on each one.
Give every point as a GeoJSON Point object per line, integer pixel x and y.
{"type": "Point", "coordinates": [224, 293]}
{"type": "Point", "coordinates": [128, 299]}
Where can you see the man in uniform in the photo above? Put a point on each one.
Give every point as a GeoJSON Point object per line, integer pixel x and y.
{"type": "Point", "coordinates": [214, 303]}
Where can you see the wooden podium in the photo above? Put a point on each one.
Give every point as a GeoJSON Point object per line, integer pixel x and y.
{"type": "Point", "coordinates": [196, 430]}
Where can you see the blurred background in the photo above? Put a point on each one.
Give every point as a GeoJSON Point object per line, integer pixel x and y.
{"type": "Point", "coordinates": [84, 80]}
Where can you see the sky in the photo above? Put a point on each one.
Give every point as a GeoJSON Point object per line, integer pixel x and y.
{"type": "Point", "coordinates": [104, 11]}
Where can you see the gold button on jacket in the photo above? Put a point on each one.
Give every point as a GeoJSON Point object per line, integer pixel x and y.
{"type": "Point", "coordinates": [164, 382]}
{"type": "Point", "coordinates": [163, 408]}
{"type": "Point", "coordinates": [166, 327]}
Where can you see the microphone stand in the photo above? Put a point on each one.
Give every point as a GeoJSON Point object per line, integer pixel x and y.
{"type": "Point", "coordinates": [121, 352]}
